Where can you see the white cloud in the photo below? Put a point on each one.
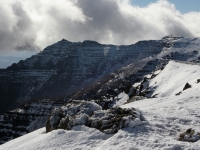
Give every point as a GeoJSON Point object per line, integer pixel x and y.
{"type": "Point", "coordinates": [29, 25]}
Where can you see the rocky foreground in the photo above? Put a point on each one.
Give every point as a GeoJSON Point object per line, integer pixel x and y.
{"type": "Point", "coordinates": [91, 114]}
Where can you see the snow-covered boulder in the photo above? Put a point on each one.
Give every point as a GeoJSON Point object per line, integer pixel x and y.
{"type": "Point", "coordinates": [111, 120]}
{"type": "Point", "coordinates": [189, 136]}
{"type": "Point", "coordinates": [91, 114]}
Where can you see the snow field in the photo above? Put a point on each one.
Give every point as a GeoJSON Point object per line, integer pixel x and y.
{"type": "Point", "coordinates": [173, 78]}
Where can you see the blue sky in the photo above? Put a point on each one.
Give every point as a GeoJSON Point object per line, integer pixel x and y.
{"type": "Point", "coordinates": [183, 6]}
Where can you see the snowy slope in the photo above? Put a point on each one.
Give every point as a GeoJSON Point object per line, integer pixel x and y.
{"type": "Point", "coordinates": [121, 99]}
{"type": "Point", "coordinates": [173, 79]}
{"type": "Point", "coordinates": [166, 117]}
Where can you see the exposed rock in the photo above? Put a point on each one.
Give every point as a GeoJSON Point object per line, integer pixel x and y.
{"type": "Point", "coordinates": [189, 136]}
{"type": "Point", "coordinates": [178, 93]}
{"type": "Point", "coordinates": [187, 86]}
{"type": "Point", "coordinates": [135, 98]}
{"type": "Point", "coordinates": [25, 119]}
{"type": "Point", "coordinates": [54, 119]}
{"type": "Point", "coordinates": [198, 80]}
{"type": "Point", "coordinates": [91, 114]}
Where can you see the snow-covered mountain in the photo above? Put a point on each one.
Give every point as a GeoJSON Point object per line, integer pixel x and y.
{"type": "Point", "coordinates": [165, 118]}
{"type": "Point", "coordinates": [65, 68]}
{"type": "Point", "coordinates": [106, 74]}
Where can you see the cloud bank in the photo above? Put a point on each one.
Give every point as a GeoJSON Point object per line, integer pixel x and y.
{"type": "Point", "coordinates": [33, 25]}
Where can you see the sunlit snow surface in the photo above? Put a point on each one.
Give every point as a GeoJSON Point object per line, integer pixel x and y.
{"type": "Point", "coordinates": [173, 79]}
{"type": "Point", "coordinates": [166, 117]}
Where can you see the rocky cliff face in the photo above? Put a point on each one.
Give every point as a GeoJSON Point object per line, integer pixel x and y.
{"type": "Point", "coordinates": [57, 71]}
{"type": "Point", "coordinates": [25, 119]}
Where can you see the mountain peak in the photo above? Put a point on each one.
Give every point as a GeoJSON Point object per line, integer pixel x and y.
{"type": "Point", "coordinates": [64, 40]}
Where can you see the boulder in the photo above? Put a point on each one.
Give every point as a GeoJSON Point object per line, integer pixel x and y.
{"type": "Point", "coordinates": [91, 114]}
{"type": "Point", "coordinates": [189, 136]}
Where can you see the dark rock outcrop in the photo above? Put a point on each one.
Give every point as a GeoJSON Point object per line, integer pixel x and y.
{"type": "Point", "coordinates": [178, 93]}
{"type": "Point", "coordinates": [25, 119]}
{"type": "Point", "coordinates": [187, 86]}
{"type": "Point", "coordinates": [198, 80]}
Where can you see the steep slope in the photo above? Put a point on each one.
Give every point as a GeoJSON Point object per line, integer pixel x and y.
{"type": "Point", "coordinates": [57, 71]}
{"type": "Point", "coordinates": [173, 79]}
{"type": "Point", "coordinates": [166, 117]}
{"type": "Point", "coordinates": [64, 69]}
{"type": "Point", "coordinates": [175, 48]}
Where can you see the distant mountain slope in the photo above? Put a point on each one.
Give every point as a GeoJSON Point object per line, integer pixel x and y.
{"type": "Point", "coordinates": [65, 68]}
{"type": "Point", "coordinates": [57, 71]}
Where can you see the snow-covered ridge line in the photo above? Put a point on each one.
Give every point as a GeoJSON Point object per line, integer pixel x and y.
{"type": "Point", "coordinates": [172, 80]}
{"type": "Point", "coordinates": [186, 62]}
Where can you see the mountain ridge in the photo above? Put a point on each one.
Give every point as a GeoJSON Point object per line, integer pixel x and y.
{"type": "Point", "coordinates": [69, 63]}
